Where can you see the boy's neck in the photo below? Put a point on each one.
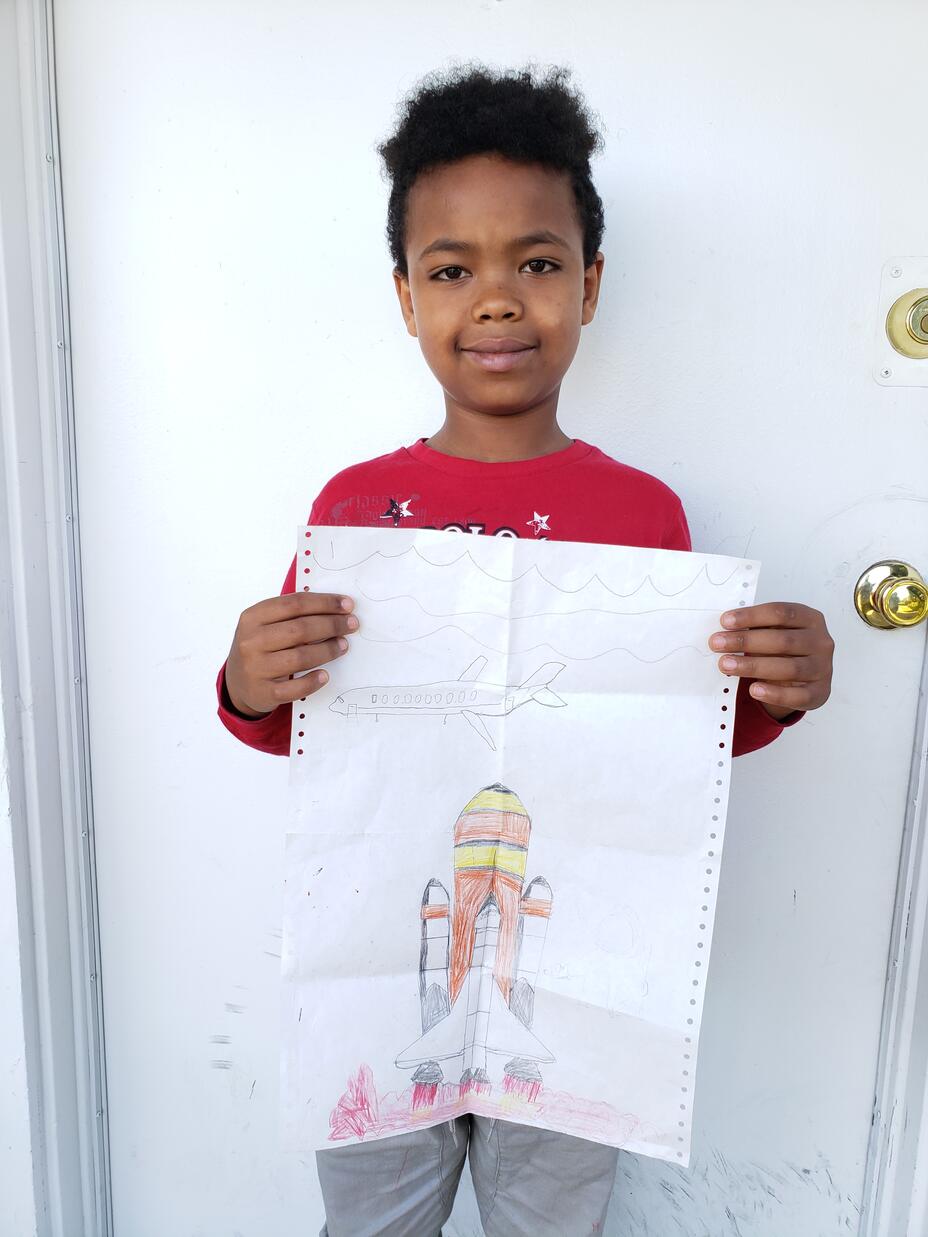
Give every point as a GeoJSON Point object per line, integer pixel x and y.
{"type": "Point", "coordinates": [498, 439]}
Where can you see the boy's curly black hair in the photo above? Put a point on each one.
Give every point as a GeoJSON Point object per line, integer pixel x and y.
{"type": "Point", "coordinates": [473, 109]}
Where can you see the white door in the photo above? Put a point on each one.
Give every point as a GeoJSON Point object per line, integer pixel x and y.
{"type": "Point", "coordinates": [224, 218]}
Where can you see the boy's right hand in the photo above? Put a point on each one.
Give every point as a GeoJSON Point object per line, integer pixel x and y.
{"type": "Point", "coordinates": [277, 638]}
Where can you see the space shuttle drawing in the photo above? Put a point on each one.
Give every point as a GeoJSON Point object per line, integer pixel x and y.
{"type": "Point", "coordinates": [479, 959]}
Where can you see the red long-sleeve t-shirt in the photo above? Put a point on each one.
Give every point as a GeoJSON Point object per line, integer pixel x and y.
{"type": "Point", "coordinates": [575, 494]}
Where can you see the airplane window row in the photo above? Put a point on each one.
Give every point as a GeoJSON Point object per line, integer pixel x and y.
{"type": "Point", "coordinates": [429, 698]}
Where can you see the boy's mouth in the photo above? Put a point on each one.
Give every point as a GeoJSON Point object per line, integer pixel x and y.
{"type": "Point", "coordinates": [501, 353]}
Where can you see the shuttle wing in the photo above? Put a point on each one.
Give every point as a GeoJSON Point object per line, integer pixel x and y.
{"type": "Point", "coordinates": [442, 1042]}
{"type": "Point", "coordinates": [506, 1036]}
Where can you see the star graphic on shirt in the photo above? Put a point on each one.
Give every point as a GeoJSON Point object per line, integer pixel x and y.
{"type": "Point", "coordinates": [540, 523]}
{"type": "Point", "coordinates": [397, 511]}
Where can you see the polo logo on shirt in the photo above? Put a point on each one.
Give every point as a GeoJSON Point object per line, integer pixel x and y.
{"type": "Point", "coordinates": [399, 511]}
{"type": "Point", "coordinates": [477, 529]}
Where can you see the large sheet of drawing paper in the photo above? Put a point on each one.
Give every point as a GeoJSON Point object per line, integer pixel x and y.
{"type": "Point", "coordinates": [503, 856]}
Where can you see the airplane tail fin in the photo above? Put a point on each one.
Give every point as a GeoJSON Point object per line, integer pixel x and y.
{"type": "Point", "coordinates": [537, 684]}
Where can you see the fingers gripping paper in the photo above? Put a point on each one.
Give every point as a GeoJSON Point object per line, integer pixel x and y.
{"type": "Point", "coordinates": [509, 807]}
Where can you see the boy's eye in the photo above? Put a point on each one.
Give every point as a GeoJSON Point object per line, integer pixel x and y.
{"type": "Point", "coordinates": [455, 277]}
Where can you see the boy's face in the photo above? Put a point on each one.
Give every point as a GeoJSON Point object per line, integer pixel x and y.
{"type": "Point", "coordinates": [483, 280]}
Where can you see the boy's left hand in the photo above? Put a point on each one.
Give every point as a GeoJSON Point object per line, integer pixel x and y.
{"type": "Point", "coordinates": [785, 647]}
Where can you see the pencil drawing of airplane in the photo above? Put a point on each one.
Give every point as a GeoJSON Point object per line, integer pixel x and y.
{"type": "Point", "coordinates": [478, 963]}
{"type": "Point", "coordinates": [466, 696]}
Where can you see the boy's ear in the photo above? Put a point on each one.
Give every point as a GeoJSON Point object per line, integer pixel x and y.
{"type": "Point", "coordinates": [592, 279]}
{"type": "Point", "coordinates": [401, 283]}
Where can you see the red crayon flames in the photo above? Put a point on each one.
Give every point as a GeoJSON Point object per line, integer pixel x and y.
{"type": "Point", "coordinates": [357, 1111]}
{"type": "Point", "coordinates": [360, 1112]}
{"type": "Point", "coordinates": [527, 1088]}
{"type": "Point", "coordinates": [423, 1094]}
{"type": "Point", "coordinates": [476, 1085]}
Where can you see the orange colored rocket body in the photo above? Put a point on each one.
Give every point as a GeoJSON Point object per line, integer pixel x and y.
{"type": "Point", "coordinates": [490, 853]}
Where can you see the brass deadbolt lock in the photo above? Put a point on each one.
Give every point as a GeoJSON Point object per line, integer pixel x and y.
{"type": "Point", "coordinates": [907, 324]}
{"type": "Point", "coordinates": [891, 594]}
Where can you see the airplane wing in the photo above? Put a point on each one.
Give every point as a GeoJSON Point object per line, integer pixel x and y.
{"type": "Point", "coordinates": [473, 671]}
{"type": "Point", "coordinates": [479, 725]}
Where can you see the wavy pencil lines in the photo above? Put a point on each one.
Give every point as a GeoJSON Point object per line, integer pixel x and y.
{"type": "Point", "coordinates": [545, 644]}
{"type": "Point", "coordinates": [516, 618]}
{"type": "Point", "coordinates": [361, 561]}
{"type": "Point", "coordinates": [703, 571]}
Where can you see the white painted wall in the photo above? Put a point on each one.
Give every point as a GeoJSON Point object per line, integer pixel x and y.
{"type": "Point", "coordinates": [17, 1210]}
{"type": "Point", "coordinates": [236, 340]}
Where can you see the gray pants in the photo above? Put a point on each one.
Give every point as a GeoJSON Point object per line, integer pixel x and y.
{"type": "Point", "coordinates": [528, 1182]}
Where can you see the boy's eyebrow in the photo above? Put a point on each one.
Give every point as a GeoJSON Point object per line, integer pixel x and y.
{"type": "Point", "coordinates": [448, 244]}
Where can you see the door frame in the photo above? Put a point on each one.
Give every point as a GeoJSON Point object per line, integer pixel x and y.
{"type": "Point", "coordinates": [42, 655]}
{"type": "Point", "coordinates": [42, 669]}
{"type": "Point", "coordinates": [895, 1199]}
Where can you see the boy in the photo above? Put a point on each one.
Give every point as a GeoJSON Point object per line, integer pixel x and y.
{"type": "Point", "coordinates": [494, 228]}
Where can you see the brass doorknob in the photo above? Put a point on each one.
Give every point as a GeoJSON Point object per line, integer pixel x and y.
{"type": "Point", "coordinates": [907, 324]}
{"type": "Point", "coordinates": [891, 594]}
